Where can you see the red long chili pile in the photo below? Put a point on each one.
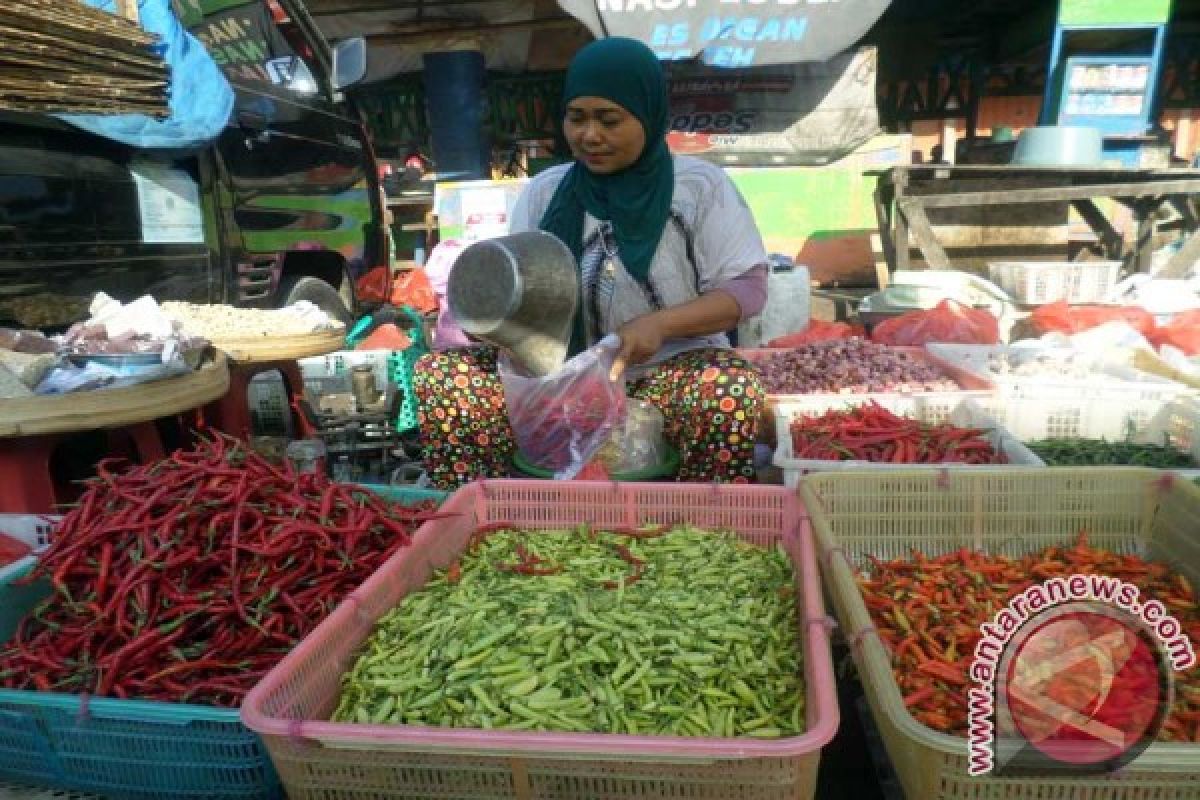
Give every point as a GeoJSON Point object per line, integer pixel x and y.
{"type": "Point", "coordinates": [872, 433]}
{"type": "Point", "coordinates": [186, 580]}
{"type": "Point", "coordinates": [928, 611]}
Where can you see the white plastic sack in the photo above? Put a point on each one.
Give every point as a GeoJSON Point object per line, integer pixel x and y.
{"type": "Point", "coordinates": [561, 421]}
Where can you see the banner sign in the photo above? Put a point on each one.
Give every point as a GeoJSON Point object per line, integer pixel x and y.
{"type": "Point", "coordinates": [733, 33]}
{"type": "Point", "coordinates": [799, 114]}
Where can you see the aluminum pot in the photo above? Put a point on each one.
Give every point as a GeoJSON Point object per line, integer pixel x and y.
{"type": "Point", "coordinates": [1059, 146]}
{"type": "Point", "coordinates": [518, 292]}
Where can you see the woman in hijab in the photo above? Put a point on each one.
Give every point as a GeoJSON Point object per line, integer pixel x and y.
{"type": "Point", "coordinates": [670, 259]}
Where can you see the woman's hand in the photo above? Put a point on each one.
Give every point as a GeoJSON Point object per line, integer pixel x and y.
{"type": "Point", "coordinates": [641, 338]}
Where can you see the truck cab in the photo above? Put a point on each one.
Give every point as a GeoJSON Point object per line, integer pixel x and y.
{"type": "Point", "coordinates": [283, 206]}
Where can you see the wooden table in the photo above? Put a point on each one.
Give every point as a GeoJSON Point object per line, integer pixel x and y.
{"type": "Point", "coordinates": [905, 194]}
{"type": "Point", "coordinates": [254, 356]}
{"type": "Point", "coordinates": [31, 428]}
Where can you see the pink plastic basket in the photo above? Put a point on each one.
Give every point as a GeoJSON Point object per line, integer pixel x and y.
{"type": "Point", "coordinates": [319, 759]}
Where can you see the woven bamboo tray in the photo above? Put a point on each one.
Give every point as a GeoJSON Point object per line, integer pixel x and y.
{"type": "Point", "coordinates": [113, 408]}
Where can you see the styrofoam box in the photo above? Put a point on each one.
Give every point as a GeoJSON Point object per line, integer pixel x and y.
{"type": "Point", "coordinates": [967, 413]}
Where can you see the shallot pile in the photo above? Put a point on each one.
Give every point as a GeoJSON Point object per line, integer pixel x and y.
{"type": "Point", "coordinates": [850, 366]}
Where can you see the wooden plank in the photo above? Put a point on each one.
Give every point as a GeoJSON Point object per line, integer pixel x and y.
{"type": "Point", "coordinates": [1143, 247]}
{"type": "Point", "coordinates": [1110, 237]}
{"type": "Point", "coordinates": [913, 209]}
{"type": "Point", "coordinates": [885, 240]}
{"type": "Point", "coordinates": [115, 408]}
{"type": "Point", "coordinates": [1060, 193]}
{"type": "Point", "coordinates": [1181, 263]}
{"type": "Point", "coordinates": [898, 183]}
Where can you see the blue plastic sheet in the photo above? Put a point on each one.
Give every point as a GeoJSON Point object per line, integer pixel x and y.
{"type": "Point", "coordinates": [201, 100]}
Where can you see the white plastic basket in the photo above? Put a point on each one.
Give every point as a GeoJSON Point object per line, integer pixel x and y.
{"type": "Point", "coordinates": [967, 413]}
{"type": "Point", "coordinates": [1151, 419]}
{"type": "Point", "coordinates": [31, 529]}
{"type": "Point", "coordinates": [1122, 385]}
{"type": "Point", "coordinates": [340, 363]}
{"type": "Point", "coordinates": [1036, 283]}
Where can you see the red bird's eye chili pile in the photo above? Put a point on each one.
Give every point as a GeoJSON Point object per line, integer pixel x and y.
{"type": "Point", "coordinates": [187, 579]}
{"type": "Point", "coordinates": [928, 611]}
{"type": "Point", "coordinates": [872, 433]}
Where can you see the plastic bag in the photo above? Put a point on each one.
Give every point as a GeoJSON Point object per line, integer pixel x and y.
{"type": "Point", "coordinates": [818, 331]}
{"type": "Point", "coordinates": [948, 321]}
{"type": "Point", "coordinates": [412, 289]}
{"type": "Point", "coordinates": [386, 337]}
{"type": "Point", "coordinates": [1063, 318]}
{"type": "Point", "coordinates": [637, 443]}
{"type": "Point", "coordinates": [375, 286]}
{"type": "Point", "coordinates": [561, 421]}
{"type": "Point", "coordinates": [1182, 333]}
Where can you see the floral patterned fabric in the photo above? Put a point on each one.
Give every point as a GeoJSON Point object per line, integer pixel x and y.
{"type": "Point", "coordinates": [711, 400]}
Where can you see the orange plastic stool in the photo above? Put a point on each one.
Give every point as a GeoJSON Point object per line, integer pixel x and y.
{"type": "Point", "coordinates": [27, 486]}
{"type": "Point", "coordinates": [231, 414]}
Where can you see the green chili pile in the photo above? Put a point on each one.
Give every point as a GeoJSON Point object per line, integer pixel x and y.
{"type": "Point", "coordinates": [647, 631]}
{"type": "Point", "coordinates": [1076, 452]}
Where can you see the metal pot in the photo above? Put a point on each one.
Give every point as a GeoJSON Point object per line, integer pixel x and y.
{"type": "Point", "coordinates": [1059, 146]}
{"type": "Point", "coordinates": [518, 292]}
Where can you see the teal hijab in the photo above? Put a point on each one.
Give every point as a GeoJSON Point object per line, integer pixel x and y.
{"type": "Point", "coordinates": [637, 200]}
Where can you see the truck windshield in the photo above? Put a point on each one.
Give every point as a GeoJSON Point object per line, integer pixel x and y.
{"type": "Point", "coordinates": [249, 40]}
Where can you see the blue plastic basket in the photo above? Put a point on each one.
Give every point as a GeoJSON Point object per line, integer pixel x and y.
{"type": "Point", "coordinates": [129, 748]}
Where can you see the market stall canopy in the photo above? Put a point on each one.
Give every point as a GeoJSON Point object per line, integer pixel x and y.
{"type": "Point", "coordinates": [733, 33]}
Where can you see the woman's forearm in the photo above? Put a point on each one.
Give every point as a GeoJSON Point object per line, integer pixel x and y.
{"type": "Point", "coordinates": [714, 312]}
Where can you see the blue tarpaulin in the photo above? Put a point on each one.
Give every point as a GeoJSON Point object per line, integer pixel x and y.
{"type": "Point", "coordinates": [200, 100]}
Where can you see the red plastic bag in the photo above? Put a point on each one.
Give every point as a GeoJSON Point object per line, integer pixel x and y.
{"type": "Point", "coordinates": [948, 321]}
{"type": "Point", "coordinates": [818, 331]}
{"type": "Point", "coordinates": [386, 337]}
{"type": "Point", "coordinates": [1063, 318]}
{"type": "Point", "coordinates": [412, 288]}
{"type": "Point", "coordinates": [12, 549]}
{"type": "Point", "coordinates": [1182, 332]}
{"type": "Point", "coordinates": [375, 286]}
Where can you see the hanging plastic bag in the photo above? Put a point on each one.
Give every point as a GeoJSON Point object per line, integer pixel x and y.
{"type": "Point", "coordinates": [412, 289]}
{"type": "Point", "coordinates": [375, 286]}
{"type": "Point", "coordinates": [1063, 318]}
{"type": "Point", "coordinates": [948, 321]}
{"type": "Point", "coordinates": [818, 331]}
{"type": "Point", "coordinates": [561, 421]}
{"type": "Point", "coordinates": [1182, 333]}
{"type": "Point", "coordinates": [386, 337]}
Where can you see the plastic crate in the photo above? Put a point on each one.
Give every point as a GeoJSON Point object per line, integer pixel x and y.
{"type": "Point", "coordinates": [31, 529]}
{"type": "Point", "coordinates": [318, 759]}
{"type": "Point", "coordinates": [130, 749]}
{"type": "Point", "coordinates": [1036, 283]}
{"type": "Point", "coordinates": [1127, 510]}
{"type": "Point", "coordinates": [966, 413]}
{"type": "Point", "coordinates": [977, 359]}
{"type": "Point", "coordinates": [1148, 414]}
{"type": "Point", "coordinates": [342, 362]}
{"type": "Point", "coordinates": [938, 405]}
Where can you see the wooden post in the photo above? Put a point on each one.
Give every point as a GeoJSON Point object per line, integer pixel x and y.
{"type": "Point", "coordinates": [900, 239]}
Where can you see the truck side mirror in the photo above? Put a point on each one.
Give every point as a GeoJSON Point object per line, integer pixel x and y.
{"type": "Point", "coordinates": [349, 62]}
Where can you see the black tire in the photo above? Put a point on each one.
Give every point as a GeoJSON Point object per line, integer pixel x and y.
{"type": "Point", "coordinates": [316, 291]}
